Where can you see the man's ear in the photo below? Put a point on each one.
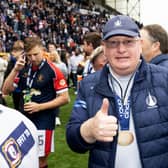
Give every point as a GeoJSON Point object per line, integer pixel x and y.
{"type": "Point", "coordinates": [156, 46]}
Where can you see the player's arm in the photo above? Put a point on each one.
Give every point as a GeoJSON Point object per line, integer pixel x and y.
{"type": "Point", "coordinates": [8, 85]}
{"type": "Point", "coordinates": [61, 99]}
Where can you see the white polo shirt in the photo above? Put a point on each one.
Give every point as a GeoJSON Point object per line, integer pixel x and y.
{"type": "Point", "coordinates": [18, 140]}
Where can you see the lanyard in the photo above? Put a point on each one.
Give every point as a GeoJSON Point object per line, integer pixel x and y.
{"type": "Point", "coordinates": [29, 81]}
{"type": "Point", "coordinates": [123, 111]}
{"type": "Point", "coordinates": [122, 105]}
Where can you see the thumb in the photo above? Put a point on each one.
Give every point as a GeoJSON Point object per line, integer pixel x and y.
{"type": "Point", "coordinates": [105, 106]}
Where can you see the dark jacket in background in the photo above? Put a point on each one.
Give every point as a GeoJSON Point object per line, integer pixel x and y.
{"type": "Point", "coordinates": [161, 60]}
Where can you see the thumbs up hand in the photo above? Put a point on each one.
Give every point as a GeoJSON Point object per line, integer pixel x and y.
{"type": "Point", "coordinates": [101, 127]}
{"type": "Point", "coordinates": [104, 108]}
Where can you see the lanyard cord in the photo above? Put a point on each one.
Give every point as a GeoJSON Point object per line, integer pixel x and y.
{"type": "Point", "coordinates": [121, 89]}
{"type": "Point", "coordinates": [111, 82]}
{"type": "Point", "coordinates": [29, 81]}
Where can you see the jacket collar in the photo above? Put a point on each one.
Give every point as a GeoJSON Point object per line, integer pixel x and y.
{"type": "Point", "coordinates": [159, 59]}
{"type": "Point", "coordinates": [103, 88]}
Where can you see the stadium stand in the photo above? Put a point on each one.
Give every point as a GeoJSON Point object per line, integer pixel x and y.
{"type": "Point", "coordinates": [61, 22]}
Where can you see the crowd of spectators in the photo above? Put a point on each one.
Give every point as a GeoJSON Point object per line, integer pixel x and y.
{"type": "Point", "coordinates": [61, 22]}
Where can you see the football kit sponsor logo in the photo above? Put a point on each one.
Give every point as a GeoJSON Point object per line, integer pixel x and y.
{"type": "Point", "coordinates": [17, 145]}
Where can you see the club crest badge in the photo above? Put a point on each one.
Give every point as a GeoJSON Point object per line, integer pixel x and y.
{"type": "Point", "coordinates": [151, 101]}
{"type": "Point", "coordinates": [40, 78]}
{"type": "Point", "coordinates": [117, 23]}
{"type": "Point", "coordinates": [62, 82]}
{"type": "Point", "coordinates": [12, 152]}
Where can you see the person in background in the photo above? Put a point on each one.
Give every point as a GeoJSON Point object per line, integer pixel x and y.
{"type": "Point", "coordinates": [155, 44]}
{"type": "Point", "coordinates": [98, 59]}
{"type": "Point", "coordinates": [44, 89]}
{"type": "Point", "coordinates": [18, 140]}
{"type": "Point", "coordinates": [55, 58]}
{"type": "Point", "coordinates": [74, 61]}
{"type": "Point", "coordinates": [91, 41]}
{"type": "Point", "coordinates": [3, 67]}
{"type": "Point", "coordinates": [120, 113]}
{"type": "Point", "coordinates": [16, 51]}
{"type": "Point", "coordinates": [51, 47]}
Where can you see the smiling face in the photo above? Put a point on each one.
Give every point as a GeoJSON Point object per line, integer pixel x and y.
{"type": "Point", "coordinates": [123, 53]}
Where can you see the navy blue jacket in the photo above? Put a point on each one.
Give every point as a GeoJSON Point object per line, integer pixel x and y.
{"type": "Point", "coordinates": [161, 60]}
{"type": "Point", "coordinates": [151, 121]}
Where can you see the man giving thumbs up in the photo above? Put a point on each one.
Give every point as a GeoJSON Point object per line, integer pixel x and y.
{"type": "Point", "coordinates": [120, 113]}
{"type": "Point", "coordinates": [101, 127]}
